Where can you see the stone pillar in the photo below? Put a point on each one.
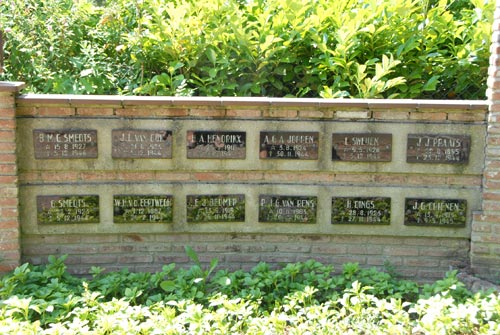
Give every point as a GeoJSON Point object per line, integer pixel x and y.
{"type": "Point", "coordinates": [485, 238]}
{"type": "Point", "coordinates": [10, 247]}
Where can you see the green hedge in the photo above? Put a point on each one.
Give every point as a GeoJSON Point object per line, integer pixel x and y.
{"type": "Point", "coordinates": [299, 298]}
{"type": "Point", "coordinates": [342, 48]}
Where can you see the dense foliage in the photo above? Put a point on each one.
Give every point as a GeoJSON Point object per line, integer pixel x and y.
{"type": "Point", "coordinates": [300, 298]}
{"type": "Point", "coordinates": [303, 48]}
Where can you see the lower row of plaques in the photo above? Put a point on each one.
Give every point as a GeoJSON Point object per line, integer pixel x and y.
{"type": "Point", "coordinates": [61, 209]}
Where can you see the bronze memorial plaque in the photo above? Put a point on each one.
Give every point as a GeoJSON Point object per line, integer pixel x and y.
{"type": "Point", "coordinates": [362, 147]}
{"type": "Point", "coordinates": [57, 209]}
{"type": "Point", "coordinates": [289, 145]}
{"type": "Point", "coordinates": [429, 148]}
{"type": "Point", "coordinates": [361, 210]}
{"type": "Point", "coordinates": [65, 143]}
{"type": "Point", "coordinates": [435, 212]}
{"type": "Point", "coordinates": [215, 208]}
{"type": "Point", "coordinates": [141, 143]}
{"type": "Point", "coordinates": [143, 208]}
{"type": "Point", "coordinates": [216, 144]}
{"type": "Point", "coordinates": [287, 209]}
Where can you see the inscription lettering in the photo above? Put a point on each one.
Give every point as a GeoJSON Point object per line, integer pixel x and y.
{"type": "Point", "coordinates": [289, 145]}
{"type": "Point", "coordinates": [220, 144]}
{"type": "Point", "coordinates": [359, 210]}
{"type": "Point", "coordinates": [56, 209]}
{"type": "Point", "coordinates": [447, 149]}
{"type": "Point", "coordinates": [143, 209]}
{"type": "Point", "coordinates": [435, 212]}
{"type": "Point", "coordinates": [141, 143]}
{"type": "Point", "coordinates": [60, 144]}
{"type": "Point", "coordinates": [362, 147]}
{"type": "Point", "coordinates": [215, 208]}
{"type": "Point", "coordinates": [287, 209]}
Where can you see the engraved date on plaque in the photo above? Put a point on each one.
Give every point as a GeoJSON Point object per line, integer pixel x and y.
{"type": "Point", "coordinates": [287, 209]}
{"type": "Point", "coordinates": [216, 208]}
{"type": "Point", "coordinates": [362, 147]}
{"type": "Point", "coordinates": [65, 143]}
{"type": "Point", "coordinates": [447, 149]}
{"type": "Point", "coordinates": [435, 212]}
{"type": "Point", "coordinates": [60, 209]}
{"type": "Point", "coordinates": [141, 143]}
{"type": "Point", "coordinates": [142, 208]}
{"type": "Point", "coordinates": [289, 145]}
{"type": "Point", "coordinates": [216, 144]}
{"type": "Point", "coordinates": [361, 210]}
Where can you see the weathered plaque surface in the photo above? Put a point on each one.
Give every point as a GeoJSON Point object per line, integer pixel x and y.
{"type": "Point", "coordinates": [142, 208]}
{"type": "Point", "coordinates": [447, 149]}
{"type": "Point", "coordinates": [141, 143]}
{"type": "Point", "coordinates": [435, 212]}
{"type": "Point", "coordinates": [361, 210]}
{"type": "Point", "coordinates": [362, 147]}
{"type": "Point", "coordinates": [287, 209]}
{"type": "Point", "coordinates": [65, 143]}
{"type": "Point", "coordinates": [289, 145]}
{"type": "Point", "coordinates": [216, 208]}
{"type": "Point", "coordinates": [59, 209]}
{"type": "Point", "coordinates": [216, 144]}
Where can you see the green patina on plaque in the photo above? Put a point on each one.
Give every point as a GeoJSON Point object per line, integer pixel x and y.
{"type": "Point", "coordinates": [143, 208]}
{"type": "Point", "coordinates": [63, 209]}
{"type": "Point", "coordinates": [215, 208]}
{"type": "Point", "coordinates": [289, 145]}
{"type": "Point", "coordinates": [361, 210]}
{"type": "Point", "coordinates": [287, 209]}
{"type": "Point", "coordinates": [435, 212]}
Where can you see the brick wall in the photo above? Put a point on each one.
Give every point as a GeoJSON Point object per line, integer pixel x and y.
{"type": "Point", "coordinates": [417, 252]}
{"type": "Point", "coordinates": [10, 253]}
{"type": "Point", "coordinates": [485, 246]}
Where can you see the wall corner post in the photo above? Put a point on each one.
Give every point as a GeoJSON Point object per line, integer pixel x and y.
{"type": "Point", "coordinates": [10, 246]}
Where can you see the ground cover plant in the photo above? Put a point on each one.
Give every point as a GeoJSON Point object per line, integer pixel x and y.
{"type": "Point", "coordinates": [299, 298]}
{"type": "Point", "coordinates": [344, 48]}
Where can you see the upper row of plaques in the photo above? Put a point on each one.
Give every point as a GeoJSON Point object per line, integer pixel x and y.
{"type": "Point", "coordinates": [157, 144]}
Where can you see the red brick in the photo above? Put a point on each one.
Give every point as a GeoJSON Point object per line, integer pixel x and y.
{"type": "Point", "coordinates": [315, 114]}
{"type": "Point", "coordinates": [7, 124]}
{"type": "Point", "coordinates": [435, 116]}
{"type": "Point", "coordinates": [244, 113]}
{"type": "Point", "coordinates": [94, 111]}
{"type": "Point", "coordinates": [7, 135]}
{"type": "Point", "coordinates": [56, 111]}
{"type": "Point", "coordinates": [280, 113]}
{"type": "Point", "coordinates": [98, 259]}
{"type": "Point", "coordinates": [467, 117]}
{"type": "Point", "coordinates": [391, 115]}
{"type": "Point", "coordinates": [172, 176]}
{"type": "Point", "coordinates": [207, 112]}
{"type": "Point", "coordinates": [208, 176]}
{"type": "Point", "coordinates": [7, 147]}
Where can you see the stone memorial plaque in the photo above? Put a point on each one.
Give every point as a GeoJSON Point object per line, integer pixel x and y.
{"type": "Point", "coordinates": [287, 209]}
{"type": "Point", "coordinates": [65, 143]}
{"type": "Point", "coordinates": [289, 145]}
{"type": "Point", "coordinates": [141, 143]}
{"type": "Point", "coordinates": [362, 147]}
{"type": "Point", "coordinates": [361, 210]}
{"type": "Point", "coordinates": [447, 149]}
{"type": "Point", "coordinates": [216, 144]}
{"type": "Point", "coordinates": [435, 212]}
{"type": "Point", "coordinates": [216, 208]}
{"type": "Point", "coordinates": [143, 208]}
{"type": "Point", "coordinates": [59, 209]}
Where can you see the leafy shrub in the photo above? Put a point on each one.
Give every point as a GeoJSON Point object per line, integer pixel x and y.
{"type": "Point", "coordinates": [300, 298]}
{"type": "Point", "coordinates": [367, 49]}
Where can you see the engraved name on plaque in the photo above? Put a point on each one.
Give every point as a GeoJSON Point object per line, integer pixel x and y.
{"type": "Point", "coordinates": [216, 144]}
{"type": "Point", "coordinates": [61, 209]}
{"type": "Point", "coordinates": [447, 149]}
{"type": "Point", "coordinates": [435, 212]}
{"type": "Point", "coordinates": [65, 143]}
{"type": "Point", "coordinates": [141, 143]}
{"type": "Point", "coordinates": [362, 147]}
{"type": "Point", "coordinates": [215, 208]}
{"type": "Point", "coordinates": [287, 209]}
{"type": "Point", "coordinates": [142, 208]}
{"type": "Point", "coordinates": [361, 210]}
{"type": "Point", "coordinates": [289, 145]}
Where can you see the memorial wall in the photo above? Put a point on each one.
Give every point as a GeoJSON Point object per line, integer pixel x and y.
{"type": "Point", "coordinates": [122, 181]}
